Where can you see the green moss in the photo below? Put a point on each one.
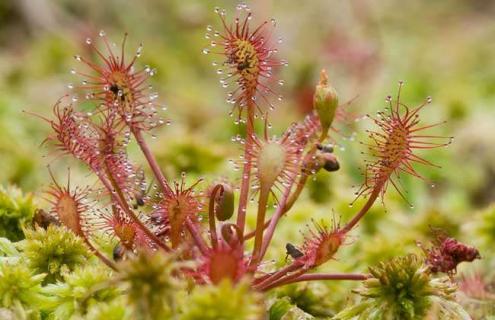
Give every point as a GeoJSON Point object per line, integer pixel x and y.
{"type": "Point", "coordinates": [152, 288]}
{"type": "Point", "coordinates": [190, 154]}
{"type": "Point", "coordinates": [224, 301]}
{"type": "Point", "coordinates": [485, 226]}
{"type": "Point", "coordinates": [80, 290]}
{"type": "Point", "coordinates": [20, 288]}
{"type": "Point", "coordinates": [309, 297]}
{"type": "Point", "coordinates": [16, 211]}
{"type": "Point", "coordinates": [54, 251]}
{"type": "Point", "coordinates": [115, 310]}
{"type": "Point", "coordinates": [402, 288]}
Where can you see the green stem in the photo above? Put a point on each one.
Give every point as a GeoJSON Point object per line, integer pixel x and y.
{"type": "Point", "coordinates": [155, 168]}
{"type": "Point", "coordinates": [371, 200]}
{"type": "Point", "coordinates": [260, 219]}
{"type": "Point", "coordinates": [246, 171]}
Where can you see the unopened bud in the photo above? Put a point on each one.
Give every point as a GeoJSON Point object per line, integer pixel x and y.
{"type": "Point", "coordinates": [325, 102]}
{"type": "Point", "coordinates": [271, 162]}
{"type": "Point", "coordinates": [330, 162]}
{"type": "Point", "coordinates": [224, 200]}
{"type": "Point", "coordinates": [231, 234]}
{"type": "Point", "coordinates": [314, 162]}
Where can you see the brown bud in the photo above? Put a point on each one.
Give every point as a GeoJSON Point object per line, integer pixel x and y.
{"type": "Point", "coordinates": [231, 234]}
{"type": "Point", "coordinates": [314, 162]}
{"type": "Point", "coordinates": [330, 162]}
{"type": "Point", "coordinates": [224, 201]}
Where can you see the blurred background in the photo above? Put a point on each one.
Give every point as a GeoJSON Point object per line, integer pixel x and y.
{"type": "Point", "coordinates": [443, 49]}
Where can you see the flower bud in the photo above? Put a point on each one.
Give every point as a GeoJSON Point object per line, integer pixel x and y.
{"type": "Point", "coordinates": [325, 102]}
{"type": "Point", "coordinates": [314, 162]}
{"type": "Point", "coordinates": [271, 162]}
{"type": "Point", "coordinates": [231, 234]}
{"type": "Point", "coordinates": [224, 200]}
{"type": "Point", "coordinates": [330, 162]}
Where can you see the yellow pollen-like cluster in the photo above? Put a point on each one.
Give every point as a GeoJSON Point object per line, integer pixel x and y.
{"type": "Point", "coordinates": [245, 58]}
{"type": "Point", "coordinates": [121, 87]}
{"type": "Point", "coordinates": [396, 145]}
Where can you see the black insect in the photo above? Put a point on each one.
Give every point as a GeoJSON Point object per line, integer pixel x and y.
{"type": "Point", "coordinates": [325, 148]}
{"type": "Point", "coordinates": [118, 252]}
{"type": "Point", "coordinates": [140, 195]}
{"type": "Point", "coordinates": [244, 64]}
{"type": "Point", "coordinates": [44, 219]}
{"type": "Point", "coordinates": [293, 251]}
{"type": "Point", "coordinates": [139, 200]}
{"type": "Point", "coordinates": [117, 91]}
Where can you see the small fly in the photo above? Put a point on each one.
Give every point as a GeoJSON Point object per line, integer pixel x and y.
{"type": "Point", "coordinates": [293, 251]}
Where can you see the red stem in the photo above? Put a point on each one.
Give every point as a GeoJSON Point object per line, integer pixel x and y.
{"type": "Point", "coordinates": [328, 276]}
{"type": "Point", "coordinates": [374, 195]}
{"type": "Point", "coordinates": [246, 172]}
{"type": "Point", "coordinates": [283, 280]}
{"type": "Point", "coordinates": [197, 237]}
{"type": "Point", "coordinates": [155, 168]}
{"type": "Point", "coordinates": [278, 274]}
{"type": "Point", "coordinates": [100, 255]}
{"type": "Point", "coordinates": [274, 220]}
{"type": "Point", "coordinates": [290, 202]}
{"type": "Point", "coordinates": [258, 238]}
{"type": "Point", "coordinates": [211, 215]}
{"type": "Point", "coordinates": [118, 197]}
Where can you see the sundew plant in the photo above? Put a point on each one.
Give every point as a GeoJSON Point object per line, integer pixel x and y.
{"type": "Point", "coordinates": [136, 244]}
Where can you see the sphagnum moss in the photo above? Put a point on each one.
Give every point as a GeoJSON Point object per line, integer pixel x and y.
{"type": "Point", "coordinates": [404, 288]}
{"type": "Point", "coordinates": [54, 251]}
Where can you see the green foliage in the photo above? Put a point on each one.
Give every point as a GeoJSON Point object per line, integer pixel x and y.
{"type": "Point", "coordinates": [224, 301]}
{"type": "Point", "coordinates": [309, 297]}
{"type": "Point", "coordinates": [151, 285]}
{"type": "Point", "coordinates": [80, 290]}
{"type": "Point", "coordinates": [402, 288]}
{"type": "Point", "coordinates": [485, 226]}
{"type": "Point", "coordinates": [114, 310]}
{"type": "Point", "coordinates": [279, 308]}
{"type": "Point", "coordinates": [190, 154]}
{"type": "Point", "coordinates": [435, 218]}
{"type": "Point", "coordinates": [319, 187]}
{"type": "Point", "coordinates": [20, 288]}
{"type": "Point", "coordinates": [282, 309]}
{"type": "Point", "coordinates": [16, 211]}
{"type": "Point", "coordinates": [54, 251]}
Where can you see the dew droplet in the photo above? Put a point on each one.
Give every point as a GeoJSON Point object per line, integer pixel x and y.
{"type": "Point", "coordinates": [206, 51]}
{"type": "Point", "coordinates": [89, 41]}
{"type": "Point", "coordinates": [139, 51]}
{"type": "Point", "coordinates": [102, 33]}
